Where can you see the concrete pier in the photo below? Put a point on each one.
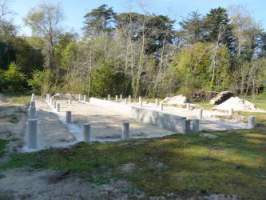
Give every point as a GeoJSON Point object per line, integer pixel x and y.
{"type": "Point", "coordinates": [161, 106]}
{"type": "Point", "coordinates": [200, 114]}
{"type": "Point", "coordinates": [116, 97]}
{"type": "Point", "coordinates": [87, 132]}
{"type": "Point", "coordinates": [32, 133]}
{"type": "Point", "coordinates": [251, 122]}
{"type": "Point", "coordinates": [68, 117]}
{"type": "Point", "coordinates": [157, 102]}
{"type": "Point", "coordinates": [32, 114]}
{"type": "Point", "coordinates": [58, 109]}
{"type": "Point", "coordinates": [140, 101]}
{"type": "Point", "coordinates": [188, 126]}
{"type": "Point", "coordinates": [125, 130]}
{"type": "Point", "coordinates": [194, 125]}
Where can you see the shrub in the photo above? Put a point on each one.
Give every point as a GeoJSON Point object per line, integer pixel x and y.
{"type": "Point", "coordinates": [13, 80]}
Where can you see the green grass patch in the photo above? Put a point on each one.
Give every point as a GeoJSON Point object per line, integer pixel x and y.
{"type": "Point", "coordinates": [19, 99]}
{"type": "Point", "coordinates": [2, 147]}
{"type": "Point", "coordinates": [234, 163]}
{"type": "Point", "coordinates": [259, 100]}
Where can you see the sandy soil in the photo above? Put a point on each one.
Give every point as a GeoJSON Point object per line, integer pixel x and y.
{"type": "Point", "coordinates": [51, 185]}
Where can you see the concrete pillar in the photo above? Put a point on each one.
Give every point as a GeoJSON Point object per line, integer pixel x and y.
{"type": "Point", "coordinates": [188, 129]}
{"type": "Point", "coordinates": [125, 100]}
{"type": "Point", "coordinates": [157, 102]}
{"type": "Point", "coordinates": [32, 133]}
{"type": "Point", "coordinates": [109, 97]}
{"type": "Point", "coordinates": [48, 98]}
{"type": "Point", "coordinates": [125, 130]}
{"type": "Point", "coordinates": [251, 122]}
{"type": "Point", "coordinates": [32, 112]}
{"type": "Point", "coordinates": [116, 97]}
{"type": "Point", "coordinates": [68, 117]}
{"type": "Point", "coordinates": [188, 106]}
{"type": "Point", "coordinates": [58, 107]}
{"type": "Point", "coordinates": [129, 99]}
{"type": "Point", "coordinates": [121, 97]}
{"type": "Point", "coordinates": [200, 114]}
{"type": "Point", "coordinates": [84, 98]}
{"type": "Point", "coordinates": [32, 104]}
{"type": "Point", "coordinates": [87, 132]}
{"type": "Point", "coordinates": [231, 111]}
{"type": "Point", "coordinates": [79, 97]}
{"type": "Point", "coordinates": [161, 106]}
{"type": "Point", "coordinates": [69, 102]}
{"type": "Point", "coordinates": [140, 101]}
{"type": "Point", "coordinates": [32, 97]}
{"type": "Point", "coordinates": [194, 125]}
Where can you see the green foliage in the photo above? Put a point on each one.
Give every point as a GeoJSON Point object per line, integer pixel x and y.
{"type": "Point", "coordinates": [107, 81]}
{"type": "Point", "coordinates": [13, 80]}
{"type": "Point", "coordinates": [99, 20]}
{"type": "Point", "coordinates": [40, 81]}
{"type": "Point", "coordinates": [192, 68]}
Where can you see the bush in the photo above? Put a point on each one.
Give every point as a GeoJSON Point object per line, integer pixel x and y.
{"type": "Point", "coordinates": [13, 80]}
{"type": "Point", "coordinates": [40, 81]}
{"type": "Point", "coordinates": [107, 81]}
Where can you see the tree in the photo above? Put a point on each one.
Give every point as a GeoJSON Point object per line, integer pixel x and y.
{"type": "Point", "coordinates": [218, 28]}
{"type": "Point", "coordinates": [44, 21]}
{"type": "Point", "coordinates": [192, 70]}
{"type": "Point", "coordinates": [101, 19]}
{"type": "Point", "coordinates": [192, 28]}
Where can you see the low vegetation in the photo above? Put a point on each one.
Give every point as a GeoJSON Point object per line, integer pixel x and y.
{"type": "Point", "coordinates": [233, 163]}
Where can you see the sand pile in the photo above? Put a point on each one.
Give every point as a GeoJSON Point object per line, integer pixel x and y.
{"type": "Point", "coordinates": [237, 104]}
{"type": "Point", "coordinates": [176, 100]}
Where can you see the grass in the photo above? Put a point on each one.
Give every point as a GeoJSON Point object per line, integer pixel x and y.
{"type": "Point", "coordinates": [19, 99]}
{"type": "Point", "coordinates": [259, 100]}
{"type": "Point", "coordinates": [234, 163]}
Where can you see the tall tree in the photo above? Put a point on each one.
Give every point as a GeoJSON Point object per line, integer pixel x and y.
{"type": "Point", "coordinates": [219, 29]}
{"type": "Point", "coordinates": [44, 20]}
{"type": "Point", "coordinates": [101, 19]}
{"type": "Point", "coordinates": [192, 28]}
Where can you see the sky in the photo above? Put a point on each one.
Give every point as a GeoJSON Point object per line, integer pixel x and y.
{"type": "Point", "coordinates": [74, 10]}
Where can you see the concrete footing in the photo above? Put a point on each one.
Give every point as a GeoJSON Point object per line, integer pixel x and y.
{"type": "Point", "coordinates": [68, 117]}
{"type": "Point", "coordinates": [32, 133]}
{"type": "Point", "coordinates": [87, 132]}
{"type": "Point", "coordinates": [125, 130]}
{"type": "Point", "coordinates": [163, 120]}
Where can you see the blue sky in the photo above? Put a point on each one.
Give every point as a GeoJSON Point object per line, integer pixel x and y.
{"type": "Point", "coordinates": [74, 10]}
